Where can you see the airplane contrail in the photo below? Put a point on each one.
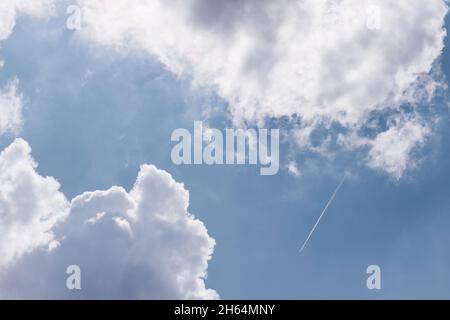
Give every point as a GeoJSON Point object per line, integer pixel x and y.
{"type": "Point", "coordinates": [323, 212]}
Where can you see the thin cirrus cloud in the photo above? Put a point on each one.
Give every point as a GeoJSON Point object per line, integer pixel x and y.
{"type": "Point", "coordinates": [138, 244]}
{"type": "Point", "coordinates": [317, 61]}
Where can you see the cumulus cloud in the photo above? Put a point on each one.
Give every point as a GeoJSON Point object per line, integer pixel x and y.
{"type": "Point", "coordinates": [30, 205]}
{"type": "Point", "coordinates": [321, 62]}
{"type": "Point", "coordinates": [138, 244]}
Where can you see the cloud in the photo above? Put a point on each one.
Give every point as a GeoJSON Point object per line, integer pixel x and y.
{"type": "Point", "coordinates": [30, 205]}
{"type": "Point", "coordinates": [318, 62]}
{"type": "Point", "coordinates": [10, 108]}
{"type": "Point", "coordinates": [392, 149]}
{"type": "Point", "coordinates": [138, 244]}
{"type": "Point", "coordinates": [10, 101]}
{"type": "Point", "coordinates": [293, 169]}
{"type": "Point", "coordinates": [11, 9]}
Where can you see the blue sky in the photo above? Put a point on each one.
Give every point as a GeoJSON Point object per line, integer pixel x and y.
{"type": "Point", "coordinates": [94, 115]}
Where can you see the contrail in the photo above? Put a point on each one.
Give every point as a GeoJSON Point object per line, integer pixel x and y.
{"type": "Point", "coordinates": [323, 212]}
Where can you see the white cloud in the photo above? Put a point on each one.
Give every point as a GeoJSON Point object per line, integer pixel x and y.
{"type": "Point", "coordinates": [30, 205]}
{"type": "Point", "coordinates": [315, 59]}
{"type": "Point", "coordinates": [392, 150]}
{"type": "Point", "coordinates": [142, 244]}
{"type": "Point", "coordinates": [10, 100]}
{"type": "Point", "coordinates": [293, 169]}
{"type": "Point", "coordinates": [137, 244]}
{"type": "Point", "coordinates": [10, 108]}
{"type": "Point", "coordinates": [11, 9]}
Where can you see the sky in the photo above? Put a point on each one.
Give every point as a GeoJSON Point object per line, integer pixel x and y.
{"type": "Point", "coordinates": [87, 178]}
